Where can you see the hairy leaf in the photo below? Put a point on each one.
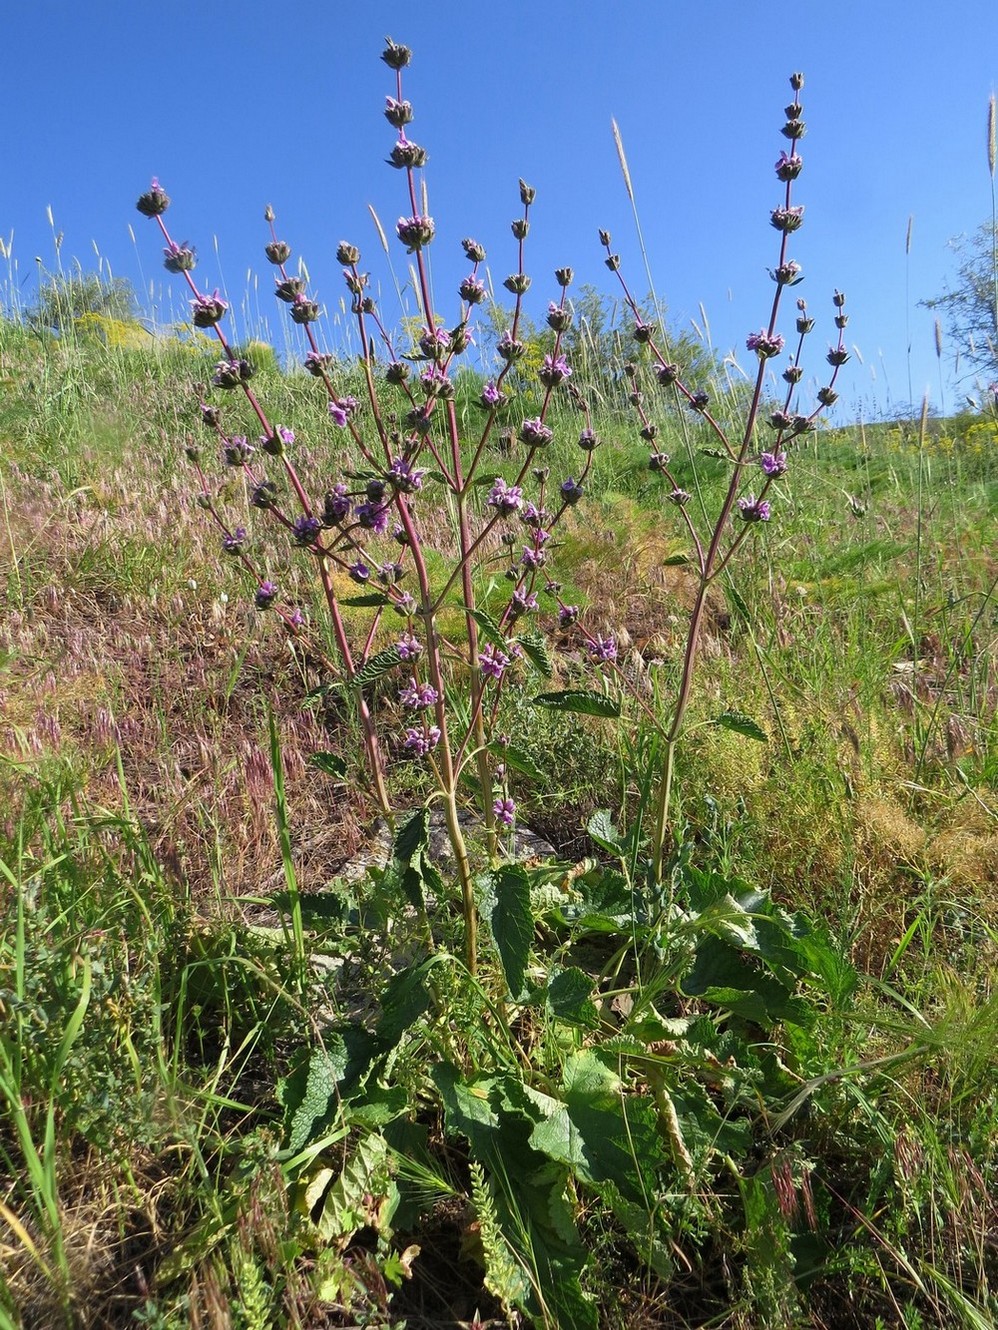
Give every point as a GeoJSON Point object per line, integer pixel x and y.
{"type": "Point", "coordinates": [579, 700]}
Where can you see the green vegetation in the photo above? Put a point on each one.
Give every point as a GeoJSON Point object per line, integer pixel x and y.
{"type": "Point", "coordinates": [242, 1085]}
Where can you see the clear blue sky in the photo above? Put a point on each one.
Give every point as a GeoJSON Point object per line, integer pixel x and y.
{"type": "Point", "coordinates": [237, 105]}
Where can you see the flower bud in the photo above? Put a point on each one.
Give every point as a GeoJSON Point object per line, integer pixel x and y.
{"type": "Point", "coordinates": [649, 433]}
{"type": "Point", "coordinates": [473, 250]}
{"type": "Point", "coordinates": [395, 55]}
{"type": "Point", "coordinates": [527, 195]}
{"type": "Point", "coordinates": [797, 81]}
{"type": "Point", "coordinates": [563, 276]}
{"type": "Point", "coordinates": [793, 374]}
{"type": "Point", "coordinates": [604, 239]}
{"type": "Point", "coordinates": [658, 461]}
{"type": "Point", "coordinates": [699, 401]}
{"type": "Point", "coordinates": [612, 261]}
{"type": "Point", "coordinates": [346, 254]}
{"type": "Point", "coordinates": [206, 311]}
{"type": "Point", "coordinates": [559, 318]}
{"type": "Point", "coordinates": [407, 155]}
{"type": "Point", "coordinates": [837, 355]}
{"type": "Point", "coordinates": [319, 363]}
{"type": "Point", "coordinates": [397, 113]}
{"type": "Point", "coordinates": [397, 372]}
{"type": "Point", "coordinates": [787, 274]}
{"type": "Point", "coordinates": [589, 440]}
{"type": "Point", "coordinates": [802, 424]}
{"type": "Point", "coordinates": [788, 167]}
{"type": "Point", "coordinates": [780, 419]}
{"type": "Point", "coordinates": [277, 252]}
{"type": "Point", "coordinates": [804, 326]}
{"type": "Point", "coordinates": [266, 594]}
{"type": "Point", "coordinates": [827, 396]}
{"type": "Point", "coordinates": [232, 373]}
{"type": "Point", "coordinates": [518, 283]}
{"type": "Point", "coordinates": [667, 375]}
{"type": "Point", "coordinates": [304, 310]}
{"type": "Point", "coordinates": [838, 299]}
{"type": "Point", "coordinates": [179, 258]}
{"type": "Point", "coordinates": [787, 220]}
{"type": "Point", "coordinates": [154, 202]}
{"type": "Point", "coordinates": [263, 495]}
{"type": "Point", "coordinates": [289, 289]}
{"type": "Point", "coordinates": [472, 290]}
{"type": "Point", "coordinates": [237, 451]}
{"type": "Point", "coordinates": [679, 497]}
{"type": "Point", "coordinates": [792, 112]}
{"type": "Point", "coordinates": [571, 491]}
{"type": "Point", "coordinates": [509, 348]}
{"type": "Point", "coordinates": [211, 416]}
{"type": "Point", "coordinates": [794, 130]}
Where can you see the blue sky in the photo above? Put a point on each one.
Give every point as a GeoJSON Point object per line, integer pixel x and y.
{"type": "Point", "coordinates": [234, 106]}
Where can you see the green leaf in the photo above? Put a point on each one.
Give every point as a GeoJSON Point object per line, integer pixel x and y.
{"type": "Point", "coordinates": [569, 998]}
{"type": "Point", "coordinates": [675, 560]}
{"type": "Point", "coordinates": [520, 760]}
{"type": "Point", "coordinates": [535, 649]}
{"type": "Point", "coordinates": [512, 923]}
{"type": "Point", "coordinates": [329, 763]}
{"type": "Point", "coordinates": [367, 601]}
{"type": "Point", "coordinates": [734, 720]}
{"type": "Point", "coordinates": [736, 603]}
{"type": "Point", "coordinates": [490, 629]}
{"type": "Point", "coordinates": [578, 700]}
{"type": "Point", "coordinates": [603, 830]}
{"type": "Point", "coordinates": [307, 1095]}
{"type": "Point", "coordinates": [406, 998]}
{"type": "Point", "coordinates": [372, 670]}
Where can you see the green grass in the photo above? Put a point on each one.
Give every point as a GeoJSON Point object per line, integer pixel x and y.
{"type": "Point", "coordinates": [239, 1090]}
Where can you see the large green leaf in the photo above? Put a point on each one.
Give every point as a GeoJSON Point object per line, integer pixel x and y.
{"type": "Point", "coordinates": [372, 670]}
{"type": "Point", "coordinates": [741, 724]}
{"type": "Point", "coordinates": [507, 892]}
{"type": "Point", "coordinates": [579, 700]}
{"type": "Point", "coordinates": [535, 649]}
{"type": "Point", "coordinates": [569, 998]}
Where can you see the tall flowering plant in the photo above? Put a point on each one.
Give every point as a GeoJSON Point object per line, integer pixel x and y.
{"type": "Point", "coordinates": [367, 535]}
{"type": "Point", "coordinates": [757, 456]}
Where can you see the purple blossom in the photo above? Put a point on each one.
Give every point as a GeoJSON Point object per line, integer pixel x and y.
{"type": "Point", "coordinates": [237, 450]}
{"type": "Point", "coordinates": [567, 615]}
{"type": "Point", "coordinates": [533, 558]}
{"type": "Point", "coordinates": [296, 618]}
{"type": "Point", "coordinates": [306, 529]}
{"type": "Point", "coordinates": [418, 695]}
{"type": "Point", "coordinates": [492, 397]}
{"type": "Point", "coordinates": [773, 464]}
{"type": "Point", "coordinates": [492, 661]}
{"type": "Point", "coordinates": [233, 541]}
{"type": "Point", "coordinates": [522, 602]}
{"type": "Point", "coordinates": [788, 167]}
{"type": "Point", "coordinates": [509, 347]}
{"type": "Point", "coordinates": [421, 742]}
{"type": "Point", "coordinates": [390, 573]}
{"type": "Point", "coordinates": [533, 516]}
{"type": "Point", "coordinates": [787, 219]}
{"type": "Point", "coordinates": [554, 370]}
{"type": "Point", "coordinates": [408, 647]}
{"type": "Point", "coordinates": [506, 499]}
{"type": "Point", "coordinates": [764, 344]}
{"type": "Point", "coordinates": [373, 517]}
{"type": "Point", "coordinates": [206, 311]}
{"type": "Point", "coordinates": [415, 231]}
{"type": "Point", "coordinates": [341, 409]}
{"type": "Point", "coordinates": [571, 491]}
{"type": "Point", "coordinates": [602, 649]}
{"type": "Point", "coordinates": [359, 572]}
{"type": "Point", "coordinates": [336, 507]}
{"type": "Point", "coordinates": [535, 434]}
{"type": "Point", "coordinates": [286, 435]}
{"type": "Point", "coordinates": [266, 594]}
{"type": "Point", "coordinates": [753, 510]}
{"type": "Point", "coordinates": [406, 477]}
{"type": "Point", "coordinates": [588, 440]}
{"type": "Point", "coordinates": [179, 258]}
{"type": "Point", "coordinates": [434, 344]}
{"type": "Point", "coordinates": [472, 289]}
{"type": "Point", "coordinates": [505, 811]}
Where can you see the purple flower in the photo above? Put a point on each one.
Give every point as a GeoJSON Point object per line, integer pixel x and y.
{"type": "Point", "coordinates": [231, 373]}
{"type": "Point", "coordinates": [506, 499]}
{"type": "Point", "coordinates": [567, 615]}
{"type": "Point", "coordinates": [602, 649]}
{"type": "Point", "coordinates": [764, 344]}
{"type": "Point", "coordinates": [533, 558]}
{"type": "Point", "coordinates": [787, 219]}
{"type": "Point", "coordinates": [237, 450]}
{"type": "Point", "coordinates": [434, 344]}
{"type": "Point", "coordinates": [421, 742]}
{"type": "Point", "coordinates": [360, 573]}
{"type": "Point", "coordinates": [509, 347]}
{"type": "Point", "coordinates": [408, 647]}
{"type": "Point", "coordinates": [588, 440]}
{"type": "Point", "coordinates": [472, 289]}
{"type": "Point", "coordinates": [154, 202]}
{"type": "Point", "coordinates": [306, 529]}
{"type": "Point", "coordinates": [535, 434]}
{"type": "Point", "coordinates": [415, 231]}
{"type": "Point", "coordinates": [266, 594]}
{"type": "Point", "coordinates": [418, 695]}
{"type": "Point", "coordinates": [286, 435]}
{"type": "Point", "coordinates": [554, 370]}
{"type": "Point", "coordinates": [773, 464]}
{"type": "Point", "coordinates": [505, 811]}
{"type": "Point", "coordinates": [534, 517]}
{"type": "Point", "coordinates": [492, 397]}
{"type": "Point", "coordinates": [492, 661]}
{"type": "Point", "coordinates": [319, 363]}
{"type": "Point", "coordinates": [373, 517]}
{"type": "Point", "coordinates": [296, 619]}
{"type": "Point", "coordinates": [679, 497]}
{"type": "Point", "coordinates": [559, 318]}
{"type": "Point", "coordinates": [233, 541]}
{"type": "Point", "coordinates": [788, 167]}
{"type": "Point", "coordinates": [390, 573]}
{"type": "Point", "coordinates": [571, 491]}
{"type": "Point", "coordinates": [341, 409]}
{"type": "Point", "coordinates": [336, 507]}
{"type": "Point", "coordinates": [179, 258]}
{"type": "Point", "coordinates": [753, 510]}
{"type": "Point", "coordinates": [404, 476]}
{"type": "Point", "coordinates": [521, 602]}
